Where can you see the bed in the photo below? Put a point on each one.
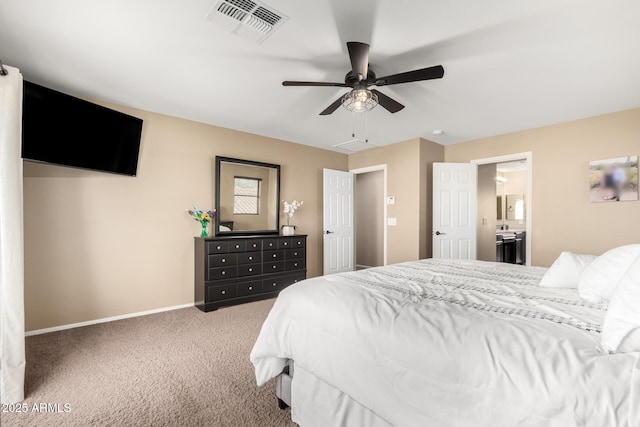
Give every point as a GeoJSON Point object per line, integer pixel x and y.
{"type": "Point", "coordinates": [444, 343]}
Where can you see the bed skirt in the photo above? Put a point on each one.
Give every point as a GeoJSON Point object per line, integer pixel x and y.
{"type": "Point", "coordinates": [313, 402]}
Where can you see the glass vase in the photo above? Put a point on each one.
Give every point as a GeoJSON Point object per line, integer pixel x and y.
{"type": "Point", "coordinates": [203, 232]}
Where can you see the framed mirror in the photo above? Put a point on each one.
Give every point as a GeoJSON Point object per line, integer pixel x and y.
{"type": "Point", "coordinates": [247, 197]}
{"type": "Point", "coordinates": [515, 207]}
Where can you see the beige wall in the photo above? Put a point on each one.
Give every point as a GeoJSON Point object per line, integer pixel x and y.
{"type": "Point", "coordinates": [369, 217]}
{"type": "Point", "coordinates": [100, 245]}
{"type": "Point", "coordinates": [562, 217]}
{"type": "Point", "coordinates": [408, 180]}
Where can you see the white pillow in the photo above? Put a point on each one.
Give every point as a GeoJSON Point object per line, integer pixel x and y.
{"type": "Point", "coordinates": [566, 270]}
{"type": "Point", "coordinates": [621, 329]}
{"type": "Point", "coordinates": [600, 279]}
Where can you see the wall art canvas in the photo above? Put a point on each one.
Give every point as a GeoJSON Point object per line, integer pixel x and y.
{"type": "Point", "coordinates": [614, 180]}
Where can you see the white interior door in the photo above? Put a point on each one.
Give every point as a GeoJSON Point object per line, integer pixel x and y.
{"type": "Point", "coordinates": [454, 210]}
{"type": "Point", "coordinates": [338, 229]}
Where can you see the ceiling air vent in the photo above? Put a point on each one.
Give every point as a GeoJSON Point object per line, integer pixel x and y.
{"type": "Point", "coordinates": [251, 20]}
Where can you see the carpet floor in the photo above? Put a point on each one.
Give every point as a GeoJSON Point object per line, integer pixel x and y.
{"type": "Point", "coordinates": [176, 368]}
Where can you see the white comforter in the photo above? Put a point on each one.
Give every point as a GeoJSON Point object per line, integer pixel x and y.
{"type": "Point", "coordinates": [453, 343]}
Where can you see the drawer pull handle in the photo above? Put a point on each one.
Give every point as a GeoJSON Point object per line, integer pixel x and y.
{"type": "Point", "coordinates": [255, 245]}
{"type": "Point", "coordinates": [250, 258]}
{"type": "Point", "coordinates": [295, 264]}
{"type": "Point", "coordinates": [274, 267]}
{"type": "Point", "coordinates": [224, 260]}
{"type": "Point", "coordinates": [275, 255]}
{"type": "Point", "coordinates": [251, 269]}
{"type": "Point", "coordinates": [237, 246]}
{"type": "Point", "coordinates": [224, 292]}
{"type": "Point", "coordinates": [250, 288]}
{"type": "Point", "coordinates": [285, 244]}
{"type": "Point", "coordinates": [295, 253]}
{"type": "Point", "coordinates": [223, 272]}
{"type": "Point", "coordinates": [273, 284]}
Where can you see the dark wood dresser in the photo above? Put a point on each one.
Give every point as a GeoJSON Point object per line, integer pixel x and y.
{"type": "Point", "coordinates": [235, 270]}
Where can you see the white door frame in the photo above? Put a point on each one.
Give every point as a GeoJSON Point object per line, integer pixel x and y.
{"type": "Point", "coordinates": [528, 156]}
{"type": "Point", "coordinates": [376, 168]}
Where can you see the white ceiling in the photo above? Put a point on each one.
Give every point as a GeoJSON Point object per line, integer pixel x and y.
{"type": "Point", "coordinates": [509, 64]}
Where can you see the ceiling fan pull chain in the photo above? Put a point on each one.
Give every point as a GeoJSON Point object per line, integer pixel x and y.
{"type": "Point", "coordinates": [366, 126]}
{"type": "Point", "coordinates": [353, 124]}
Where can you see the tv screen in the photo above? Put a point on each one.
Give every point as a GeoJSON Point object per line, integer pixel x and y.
{"type": "Point", "coordinates": [64, 130]}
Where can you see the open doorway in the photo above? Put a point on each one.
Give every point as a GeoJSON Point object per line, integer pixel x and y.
{"type": "Point", "coordinates": [504, 208]}
{"type": "Point", "coordinates": [370, 217]}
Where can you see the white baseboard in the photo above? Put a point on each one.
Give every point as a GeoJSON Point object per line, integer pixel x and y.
{"type": "Point", "coordinates": [106, 319]}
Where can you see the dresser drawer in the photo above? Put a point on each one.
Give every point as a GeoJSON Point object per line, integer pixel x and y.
{"type": "Point", "coordinates": [237, 246]}
{"type": "Point", "coordinates": [279, 283]}
{"type": "Point", "coordinates": [249, 288]}
{"type": "Point", "coordinates": [296, 278]}
{"type": "Point", "coordinates": [273, 267]}
{"type": "Point", "coordinates": [249, 269]}
{"type": "Point", "coordinates": [253, 245]}
{"type": "Point", "coordinates": [294, 254]}
{"type": "Point", "coordinates": [223, 260]}
{"type": "Point", "coordinates": [298, 242]}
{"type": "Point", "coordinates": [217, 247]}
{"type": "Point", "coordinates": [217, 293]}
{"type": "Point", "coordinates": [222, 273]}
{"type": "Point", "coordinates": [274, 285]}
{"type": "Point", "coordinates": [250, 257]}
{"type": "Point", "coordinates": [270, 244]}
{"type": "Point", "coordinates": [296, 264]}
{"type": "Point", "coordinates": [273, 256]}
{"type": "Point", "coordinates": [285, 243]}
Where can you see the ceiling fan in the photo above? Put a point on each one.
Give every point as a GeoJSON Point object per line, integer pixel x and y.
{"type": "Point", "coordinates": [360, 78]}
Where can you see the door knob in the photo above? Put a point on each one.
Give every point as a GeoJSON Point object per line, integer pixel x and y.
{"type": "Point", "coordinates": [439, 233]}
{"type": "Point", "coordinates": [328, 232]}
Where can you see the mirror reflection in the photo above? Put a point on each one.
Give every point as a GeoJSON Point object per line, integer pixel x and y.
{"type": "Point", "coordinates": [510, 207]}
{"type": "Point", "coordinates": [515, 206]}
{"type": "Point", "coordinates": [247, 197]}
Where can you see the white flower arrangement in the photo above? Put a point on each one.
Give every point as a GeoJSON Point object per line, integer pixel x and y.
{"type": "Point", "coordinates": [290, 208]}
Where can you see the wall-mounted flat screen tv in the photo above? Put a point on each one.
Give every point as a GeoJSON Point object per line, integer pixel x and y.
{"type": "Point", "coordinates": [60, 129]}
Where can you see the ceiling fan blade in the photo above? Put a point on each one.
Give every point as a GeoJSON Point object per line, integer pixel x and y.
{"type": "Point", "coordinates": [290, 83]}
{"type": "Point", "coordinates": [333, 107]}
{"type": "Point", "coordinates": [359, 56]}
{"type": "Point", "coordinates": [389, 104]}
{"type": "Point", "coordinates": [429, 73]}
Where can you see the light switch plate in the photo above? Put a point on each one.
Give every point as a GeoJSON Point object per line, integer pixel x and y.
{"type": "Point", "coordinates": [391, 200]}
{"type": "Point", "coordinates": [392, 221]}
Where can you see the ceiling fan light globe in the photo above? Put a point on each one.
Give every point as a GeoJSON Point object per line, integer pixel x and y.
{"type": "Point", "coordinates": [360, 100]}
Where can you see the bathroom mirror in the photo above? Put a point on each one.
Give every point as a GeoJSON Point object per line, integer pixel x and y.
{"type": "Point", "coordinates": [247, 197]}
{"type": "Point", "coordinates": [515, 206]}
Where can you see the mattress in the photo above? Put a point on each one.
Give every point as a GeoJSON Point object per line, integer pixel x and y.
{"type": "Point", "coordinates": [450, 343]}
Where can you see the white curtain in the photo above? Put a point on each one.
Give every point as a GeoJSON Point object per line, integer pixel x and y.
{"type": "Point", "coordinates": [12, 359]}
